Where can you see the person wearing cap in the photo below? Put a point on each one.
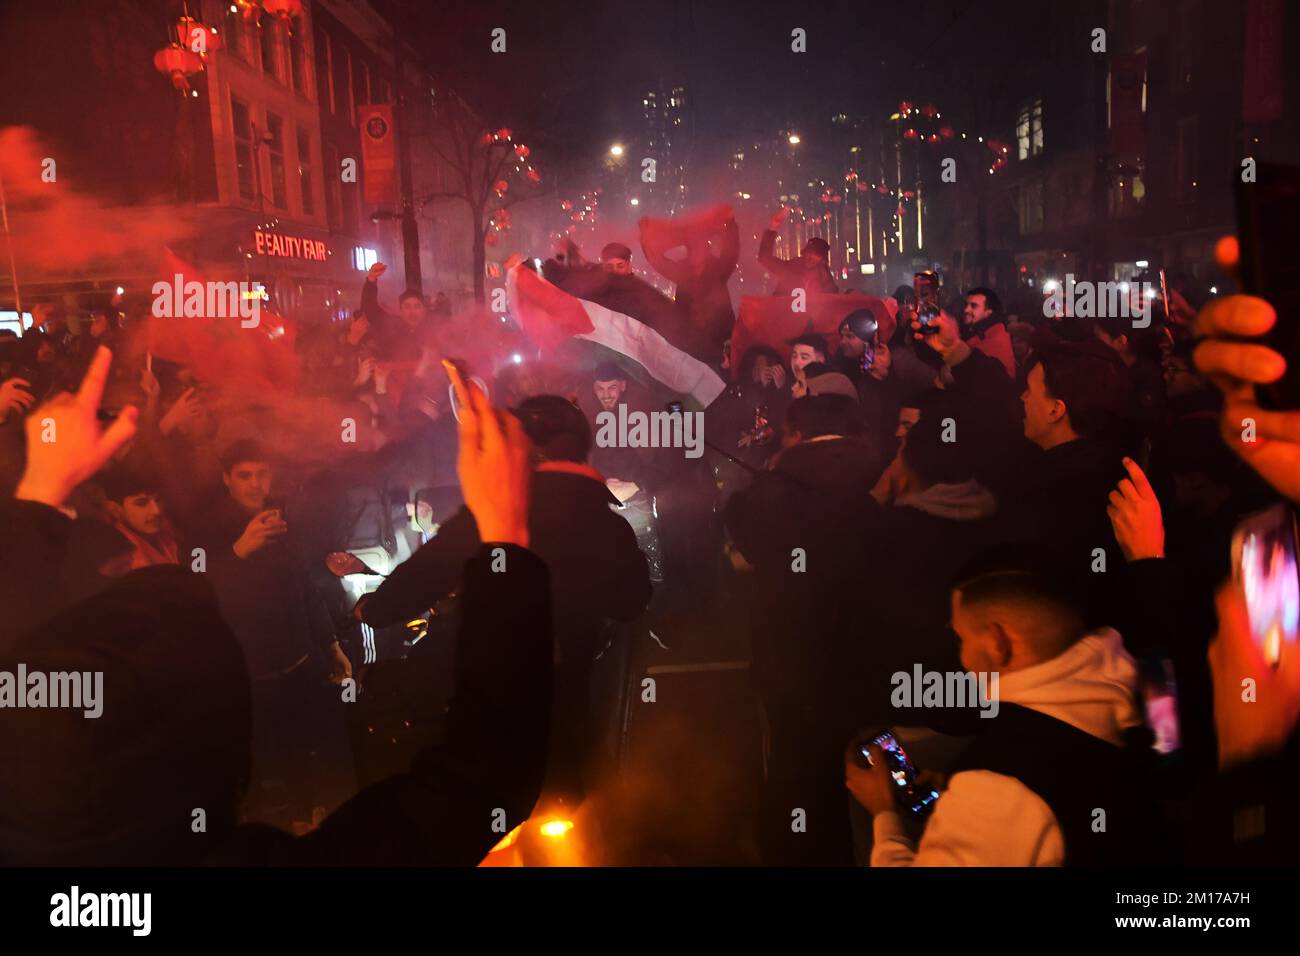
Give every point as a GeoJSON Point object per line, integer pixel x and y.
{"type": "Point", "coordinates": [810, 272]}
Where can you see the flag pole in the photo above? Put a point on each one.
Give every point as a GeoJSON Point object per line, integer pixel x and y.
{"type": "Point", "coordinates": [9, 245]}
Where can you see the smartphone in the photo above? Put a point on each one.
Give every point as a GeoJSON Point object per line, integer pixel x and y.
{"type": "Point", "coordinates": [278, 506]}
{"type": "Point", "coordinates": [926, 287]}
{"type": "Point", "coordinates": [1267, 211]}
{"type": "Point", "coordinates": [1265, 572]}
{"type": "Point", "coordinates": [917, 801]}
{"type": "Point", "coordinates": [928, 318]}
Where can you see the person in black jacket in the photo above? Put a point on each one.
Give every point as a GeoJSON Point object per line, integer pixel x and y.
{"type": "Point", "coordinates": [157, 775]}
{"type": "Point", "coordinates": [274, 598]}
{"type": "Point", "coordinates": [804, 527]}
{"type": "Point", "coordinates": [597, 571]}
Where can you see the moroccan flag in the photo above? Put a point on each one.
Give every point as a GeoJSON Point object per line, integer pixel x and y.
{"type": "Point", "coordinates": [771, 320]}
{"type": "Point", "coordinates": [659, 236]}
{"type": "Point", "coordinates": [551, 317]}
{"type": "Point", "coordinates": [224, 349]}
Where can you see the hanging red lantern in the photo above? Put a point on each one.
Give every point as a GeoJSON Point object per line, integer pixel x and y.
{"type": "Point", "coordinates": [863, 187]}
{"type": "Point", "coordinates": [503, 133]}
{"type": "Point", "coordinates": [837, 198]}
{"type": "Point", "coordinates": [196, 37]}
{"type": "Point", "coordinates": [826, 196]}
{"type": "Point", "coordinates": [909, 133]}
{"type": "Point", "coordinates": [178, 63]}
{"type": "Point", "coordinates": [500, 186]}
{"type": "Point", "coordinates": [900, 211]}
{"type": "Point", "coordinates": [534, 176]}
{"type": "Point", "coordinates": [283, 10]}
{"type": "Point", "coordinates": [932, 138]}
{"type": "Point", "coordinates": [850, 176]}
{"type": "Point", "coordinates": [521, 151]}
{"type": "Point", "coordinates": [905, 107]}
{"type": "Point", "coordinates": [928, 111]}
{"type": "Point", "coordinates": [882, 189]}
{"type": "Point", "coordinates": [909, 194]}
{"type": "Point", "coordinates": [566, 205]}
{"type": "Point", "coordinates": [827, 217]}
{"type": "Point", "coordinates": [494, 270]}
{"type": "Point", "coordinates": [946, 132]}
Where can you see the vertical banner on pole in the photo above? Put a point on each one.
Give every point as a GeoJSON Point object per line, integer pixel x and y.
{"type": "Point", "coordinates": [379, 154]}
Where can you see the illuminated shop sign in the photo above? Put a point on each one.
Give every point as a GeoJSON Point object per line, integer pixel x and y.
{"type": "Point", "coordinates": [290, 247]}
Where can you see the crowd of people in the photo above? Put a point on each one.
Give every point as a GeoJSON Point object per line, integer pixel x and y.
{"type": "Point", "coordinates": [941, 487]}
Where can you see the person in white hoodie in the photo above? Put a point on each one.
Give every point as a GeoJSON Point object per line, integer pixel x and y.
{"type": "Point", "coordinates": [1055, 776]}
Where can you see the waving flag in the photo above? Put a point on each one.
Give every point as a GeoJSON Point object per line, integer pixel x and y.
{"type": "Point", "coordinates": [771, 320]}
{"type": "Point", "coordinates": [550, 317]}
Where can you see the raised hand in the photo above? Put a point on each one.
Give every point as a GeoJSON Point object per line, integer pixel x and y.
{"type": "Point", "coordinates": [1135, 516]}
{"type": "Point", "coordinates": [65, 445]}
{"type": "Point", "coordinates": [495, 464]}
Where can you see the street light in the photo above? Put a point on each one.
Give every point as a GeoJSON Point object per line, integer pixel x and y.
{"type": "Point", "coordinates": [635, 201]}
{"type": "Point", "coordinates": [616, 149]}
{"type": "Point", "coordinates": [794, 139]}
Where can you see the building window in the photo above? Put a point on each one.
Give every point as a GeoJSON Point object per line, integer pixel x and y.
{"type": "Point", "coordinates": [1125, 196]}
{"type": "Point", "coordinates": [329, 71]}
{"type": "Point", "coordinates": [364, 258]}
{"type": "Point", "coordinates": [352, 103]}
{"type": "Point", "coordinates": [298, 63]}
{"type": "Point", "coordinates": [271, 48]}
{"type": "Point", "coordinates": [243, 132]}
{"type": "Point", "coordinates": [332, 199]}
{"type": "Point", "coordinates": [306, 181]}
{"type": "Point", "coordinates": [275, 145]}
{"type": "Point", "coordinates": [360, 80]}
{"type": "Point", "coordinates": [235, 38]}
{"type": "Point", "coordinates": [1029, 130]}
{"type": "Point", "coordinates": [1030, 207]}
